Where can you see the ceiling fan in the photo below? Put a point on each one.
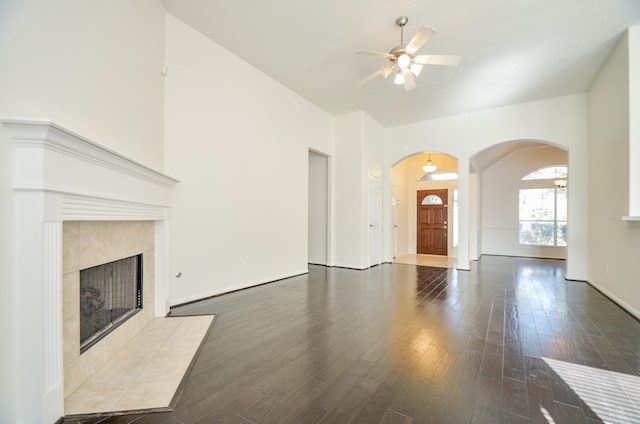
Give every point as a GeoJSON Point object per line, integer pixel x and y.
{"type": "Point", "coordinates": [404, 62]}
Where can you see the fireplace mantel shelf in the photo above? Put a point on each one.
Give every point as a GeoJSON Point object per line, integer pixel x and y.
{"type": "Point", "coordinates": [90, 181]}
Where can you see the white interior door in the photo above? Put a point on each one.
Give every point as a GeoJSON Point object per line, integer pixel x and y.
{"type": "Point", "coordinates": [374, 220]}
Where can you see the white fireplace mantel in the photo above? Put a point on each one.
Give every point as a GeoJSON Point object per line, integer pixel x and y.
{"type": "Point", "coordinates": [62, 176]}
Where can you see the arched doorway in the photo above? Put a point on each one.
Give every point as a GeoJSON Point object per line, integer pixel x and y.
{"type": "Point", "coordinates": [505, 197]}
{"type": "Point", "coordinates": [410, 177]}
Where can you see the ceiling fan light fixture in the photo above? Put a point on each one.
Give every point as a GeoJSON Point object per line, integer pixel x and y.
{"type": "Point", "coordinates": [404, 61]}
{"type": "Point", "coordinates": [403, 58]}
{"type": "Point", "coordinates": [399, 79]}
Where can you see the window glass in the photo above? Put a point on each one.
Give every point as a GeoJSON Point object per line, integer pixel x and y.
{"type": "Point", "coordinates": [543, 217]}
{"type": "Point", "coordinates": [432, 199]}
{"type": "Point", "coordinates": [548, 173]}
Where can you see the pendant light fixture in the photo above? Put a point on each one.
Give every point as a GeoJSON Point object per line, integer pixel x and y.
{"type": "Point", "coordinates": [429, 167]}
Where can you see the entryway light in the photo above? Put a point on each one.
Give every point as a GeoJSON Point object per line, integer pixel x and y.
{"type": "Point", "coordinates": [429, 167]}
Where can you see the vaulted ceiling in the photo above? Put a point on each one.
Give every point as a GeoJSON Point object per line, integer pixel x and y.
{"type": "Point", "coordinates": [513, 51]}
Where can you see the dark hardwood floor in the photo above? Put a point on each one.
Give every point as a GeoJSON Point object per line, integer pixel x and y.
{"type": "Point", "coordinates": [508, 342]}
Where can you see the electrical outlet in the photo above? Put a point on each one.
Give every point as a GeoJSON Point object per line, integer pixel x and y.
{"type": "Point", "coordinates": [241, 264]}
{"type": "Point", "coordinates": [606, 270]}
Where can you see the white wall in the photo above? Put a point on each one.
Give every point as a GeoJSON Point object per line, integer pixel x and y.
{"type": "Point", "coordinates": [239, 142]}
{"type": "Point", "coordinates": [318, 208]}
{"type": "Point", "coordinates": [93, 67]}
{"type": "Point", "coordinates": [358, 153]}
{"type": "Point", "coordinates": [634, 124]}
{"type": "Point", "coordinates": [500, 206]}
{"type": "Point", "coordinates": [348, 201]}
{"type": "Point", "coordinates": [614, 245]}
{"type": "Point", "coordinates": [8, 327]}
{"type": "Point", "coordinates": [475, 214]}
{"type": "Point", "coordinates": [561, 121]}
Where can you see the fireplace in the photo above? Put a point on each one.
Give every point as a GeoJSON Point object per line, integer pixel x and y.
{"type": "Point", "coordinates": [77, 205]}
{"type": "Point", "coordinates": [110, 294]}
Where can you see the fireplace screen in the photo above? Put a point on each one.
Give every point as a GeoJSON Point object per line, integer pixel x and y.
{"type": "Point", "coordinates": [109, 295]}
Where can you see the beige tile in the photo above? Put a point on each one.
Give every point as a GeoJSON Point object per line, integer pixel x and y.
{"type": "Point", "coordinates": [71, 317]}
{"type": "Point", "coordinates": [92, 245]}
{"type": "Point", "coordinates": [194, 327]}
{"type": "Point", "coordinates": [149, 299]}
{"type": "Point", "coordinates": [168, 322]}
{"type": "Point", "coordinates": [180, 347]}
{"type": "Point", "coordinates": [71, 377]}
{"type": "Point", "coordinates": [428, 260]}
{"type": "Point", "coordinates": [146, 372]}
{"type": "Point", "coordinates": [136, 347]}
{"type": "Point", "coordinates": [125, 238]}
{"type": "Point", "coordinates": [117, 339]}
{"type": "Point", "coordinates": [148, 264]}
{"type": "Point", "coordinates": [93, 399]}
{"type": "Point", "coordinates": [149, 235]}
{"type": "Point", "coordinates": [70, 231]}
{"type": "Point", "coordinates": [154, 334]}
{"type": "Point", "coordinates": [144, 396]}
{"type": "Point", "coordinates": [92, 360]}
{"type": "Point", "coordinates": [165, 366]}
{"type": "Point", "coordinates": [121, 369]}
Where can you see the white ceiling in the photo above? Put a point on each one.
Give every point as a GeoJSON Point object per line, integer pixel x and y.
{"type": "Point", "coordinates": [513, 51]}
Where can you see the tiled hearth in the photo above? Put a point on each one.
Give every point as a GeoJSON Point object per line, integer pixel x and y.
{"type": "Point", "coordinates": [141, 363]}
{"type": "Point", "coordinates": [147, 372]}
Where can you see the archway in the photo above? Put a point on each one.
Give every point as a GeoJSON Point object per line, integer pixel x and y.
{"type": "Point", "coordinates": [408, 178]}
{"type": "Point", "coordinates": [500, 170]}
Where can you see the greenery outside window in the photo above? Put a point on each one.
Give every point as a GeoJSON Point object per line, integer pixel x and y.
{"type": "Point", "coordinates": [543, 210]}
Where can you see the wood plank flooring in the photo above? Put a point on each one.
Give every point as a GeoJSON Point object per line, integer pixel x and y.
{"type": "Point", "coordinates": [405, 344]}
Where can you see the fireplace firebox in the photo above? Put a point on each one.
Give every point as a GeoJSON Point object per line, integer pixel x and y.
{"type": "Point", "coordinates": [109, 295]}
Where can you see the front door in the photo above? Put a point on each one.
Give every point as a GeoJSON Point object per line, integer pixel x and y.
{"type": "Point", "coordinates": [432, 222]}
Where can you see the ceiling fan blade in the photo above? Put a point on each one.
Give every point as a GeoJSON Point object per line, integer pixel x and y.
{"type": "Point", "coordinates": [437, 59]}
{"type": "Point", "coordinates": [372, 53]}
{"type": "Point", "coordinates": [409, 81]}
{"type": "Point", "coordinates": [387, 70]}
{"type": "Point", "coordinates": [423, 35]}
{"type": "Point", "coordinates": [372, 76]}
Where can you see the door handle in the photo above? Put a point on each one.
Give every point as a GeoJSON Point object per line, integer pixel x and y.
{"type": "Point", "coordinates": [371, 225]}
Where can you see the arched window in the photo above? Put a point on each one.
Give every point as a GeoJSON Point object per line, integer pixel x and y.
{"type": "Point", "coordinates": [432, 199]}
{"type": "Point", "coordinates": [547, 173]}
{"type": "Point", "coordinates": [543, 210]}
{"type": "Point", "coordinates": [439, 175]}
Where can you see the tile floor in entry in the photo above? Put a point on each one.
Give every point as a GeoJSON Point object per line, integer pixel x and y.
{"type": "Point", "coordinates": [428, 260]}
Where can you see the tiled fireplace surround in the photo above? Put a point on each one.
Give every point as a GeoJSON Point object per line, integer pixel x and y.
{"type": "Point", "coordinates": [77, 204]}
{"type": "Point", "coordinates": [87, 244]}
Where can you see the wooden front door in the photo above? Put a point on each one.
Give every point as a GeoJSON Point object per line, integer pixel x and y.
{"type": "Point", "coordinates": [432, 222]}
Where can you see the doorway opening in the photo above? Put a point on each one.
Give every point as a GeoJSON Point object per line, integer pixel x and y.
{"type": "Point", "coordinates": [318, 211]}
